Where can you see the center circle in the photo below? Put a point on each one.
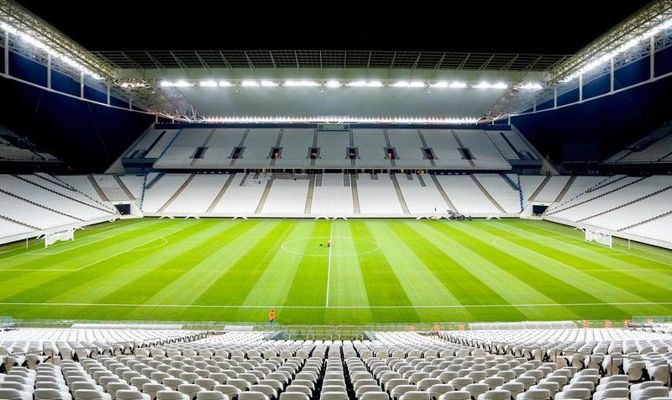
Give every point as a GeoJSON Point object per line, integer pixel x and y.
{"type": "Point", "coordinates": [340, 246]}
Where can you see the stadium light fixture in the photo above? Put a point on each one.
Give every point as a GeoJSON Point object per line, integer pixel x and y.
{"type": "Point", "coordinates": [301, 83]}
{"type": "Point", "coordinates": [332, 84]}
{"type": "Point", "coordinates": [167, 84]}
{"type": "Point", "coordinates": [183, 83]}
{"type": "Point", "coordinates": [52, 52]}
{"type": "Point", "coordinates": [416, 84]}
{"type": "Point", "coordinates": [457, 85]}
{"type": "Point", "coordinates": [530, 86]}
{"type": "Point", "coordinates": [208, 83]}
{"type": "Point", "coordinates": [637, 29]}
{"type": "Point", "coordinates": [225, 84]}
{"type": "Point", "coordinates": [488, 85]}
{"type": "Point", "coordinates": [400, 84]}
{"type": "Point", "coordinates": [133, 85]}
{"type": "Point", "coordinates": [356, 84]}
{"type": "Point", "coordinates": [347, 119]}
{"type": "Point", "coordinates": [267, 83]}
{"type": "Point", "coordinates": [249, 83]}
{"type": "Point", "coordinates": [482, 85]}
{"type": "Point", "coordinates": [439, 85]}
{"type": "Point", "coordinates": [374, 84]}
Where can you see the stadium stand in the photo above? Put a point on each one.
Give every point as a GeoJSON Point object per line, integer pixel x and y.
{"type": "Point", "coordinates": [32, 204]}
{"type": "Point", "coordinates": [15, 148]}
{"type": "Point", "coordinates": [539, 364]}
{"type": "Point", "coordinates": [653, 148]}
{"type": "Point", "coordinates": [223, 148]}
{"type": "Point", "coordinates": [332, 196]}
{"type": "Point", "coordinates": [634, 207]}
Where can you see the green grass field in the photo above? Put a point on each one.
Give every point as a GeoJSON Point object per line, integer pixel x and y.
{"type": "Point", "coordinates": [377, 271]}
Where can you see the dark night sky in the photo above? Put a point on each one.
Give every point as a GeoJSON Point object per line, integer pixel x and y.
{"type": "Point", "coordinates": [469, 25]}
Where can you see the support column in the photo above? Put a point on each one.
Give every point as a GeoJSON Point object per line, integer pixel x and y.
{"type": "Point", "coordinates": [580, 87]}
{"type": "Point", "coordinates": [555, 97]}
{"type": "Point", "coordinates": [652, 57]}
{"type": "Point", "coordinates": [6, 40]}
{"type": "Point", "coordinates": [81, 84]}
{"type": "Point", "coordinates": [49, 71]}
{"type": "Point", "coordinates": [611, 74]}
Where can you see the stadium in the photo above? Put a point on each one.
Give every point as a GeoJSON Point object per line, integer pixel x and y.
{"type": "Point", "coordinates": [269, 224]}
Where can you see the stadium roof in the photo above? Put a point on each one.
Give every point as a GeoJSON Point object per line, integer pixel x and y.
{"type": "Point", "coordinates": [137, 74]}
{"type": "Point", "coordinates": [254, 59]}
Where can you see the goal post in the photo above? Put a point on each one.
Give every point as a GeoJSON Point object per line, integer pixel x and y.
{"type": "Point", "coordinates": [53, 237]}
{"type": "Point", "coordinates": [598, 237]}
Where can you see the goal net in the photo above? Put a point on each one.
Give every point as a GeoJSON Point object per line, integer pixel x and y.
{"type": "Point", "coordinates": [598, 237]}
{"type": "Point", "coordinates": [51, 238]}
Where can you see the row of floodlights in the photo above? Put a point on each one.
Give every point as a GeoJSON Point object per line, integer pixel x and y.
{"type": "Point", "coordinates": [625, 46]}
{"type": "Point", "coordinates": [345, 119]}
{"type": "Point", "coordinates": [27, 38]}
{"type": "Point", "coordinates": [360, 83]}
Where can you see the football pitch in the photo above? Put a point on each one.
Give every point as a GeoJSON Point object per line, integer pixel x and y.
{"type": "Point", "coordinates": [376, 271]}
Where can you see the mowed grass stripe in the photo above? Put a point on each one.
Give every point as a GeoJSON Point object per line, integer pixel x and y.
{"type": "Point", "coordinates": [309, 285]}
{"type": "Point", "coordinates": [635, 289]}
{"type": "Point", "coordinates": [124, 282]}
{"type": "Point", "coordinates": [623, 247]}
{"type": "Point", "coordinates": [464, 285]}
{"type": "Point", "coordinates": [508, 286]}
{"type": "Point", "coordinates": [653, 258]}
{"type": "Point", "coordinates": [275, 283]}
{"type": "Point", "coordinates": [233, 285]}
{"type": "Point", "coordinates": [67, 259]}
{"type": "Point", "coordinates": [347, 283]}
{"type": "Point", "coordinates": [537, 257]}
{"type": "Point", "coordinates": [559, 290]}
{"type": "Point", "coordinates": [40, 286]}
{"type": "Point", "coordinates": [83, 236]}
{"type": "Point", "coordinates": [420, 285]}
{"type": "Point", "coordinates": [613, 260]}
{"type": "Point", "coordinates": [107, 268]}
{"type": "Point", "coordinates": [382, 285]}
{"type": "Point", "coordinates": [228, 248]}
{"type": "Point", "coordinates": [173, 263]}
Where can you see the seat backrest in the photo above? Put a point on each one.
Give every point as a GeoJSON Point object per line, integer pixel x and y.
{"type": "Point", "coordinates": [252, 396]}
{"type": "Point", "coordinates": [415, 395]}
{"type": "Point", "coordinates": [334, 396]}
{"type": "Point", "coordinates": [656, 391]}
{"type": "Point", "coordinates": [375, 396]}
{"type": "Point", "coordinates": [171, 395]}
{"type": "Point", "coordinates": [130, 395]}
{"type": "Point", "coordinates": [294, 396]}
{"type": "Point", "coordinates": [537, 394]}
{"type": "Point", "coordinates": [583, 394]}
{"type": "Point", "coordinates": [87, 394]}
{"type": "Point", "coordinates": [211, 395]}
{"type": "Point", "coordinates": [457, 395]}
{"type": "Point", "coordinates": [48, 394]}
{"type": "Point", "coordinates": [229, 390]}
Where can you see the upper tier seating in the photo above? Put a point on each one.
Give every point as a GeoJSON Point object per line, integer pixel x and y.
{"type": "Point", "coordinates": [222, 148]}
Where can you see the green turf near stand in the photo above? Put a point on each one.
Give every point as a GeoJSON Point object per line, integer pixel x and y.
{"type": "Point", "coordinates": [376, 271]}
